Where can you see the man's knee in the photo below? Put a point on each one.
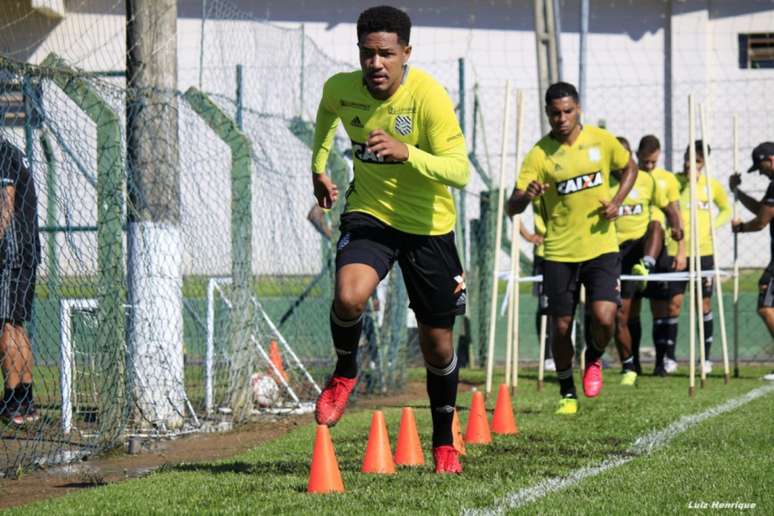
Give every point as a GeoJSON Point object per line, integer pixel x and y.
{"type": "Point", "coordinates": [562, 325]}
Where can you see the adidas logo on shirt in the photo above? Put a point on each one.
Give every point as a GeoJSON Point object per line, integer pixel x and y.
{"type": "Point", "coordinates": [356, 122]}
{"type": "Point", "coordinates": [578, 183]}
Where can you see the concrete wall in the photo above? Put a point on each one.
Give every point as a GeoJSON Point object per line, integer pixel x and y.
{"type": "Point", "coordinates": [644, 58]}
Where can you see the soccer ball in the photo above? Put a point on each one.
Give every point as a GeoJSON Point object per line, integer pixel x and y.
{"type": "Point", "coordinates": [266, 392]}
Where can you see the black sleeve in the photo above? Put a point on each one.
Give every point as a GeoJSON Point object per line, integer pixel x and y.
{"type": "Point", "coordinates": [11, 164]}
{"type": "Point", "coordinates": [768, 198]}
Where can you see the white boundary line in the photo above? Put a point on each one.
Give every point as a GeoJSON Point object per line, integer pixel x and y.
{"type": "Point", "coordinates": [643, 445]}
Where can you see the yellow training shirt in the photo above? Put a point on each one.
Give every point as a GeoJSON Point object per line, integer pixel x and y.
{"type": "Point", "coordinates": [579, 178]}
{"type": "Point", "coordinates": [412, 196]}
{"type": "Point", "coordinates": [634, 215]}
{"type": "Point", "coordinates": [703, 207]}
{"type": "Point", "coordinates": [666, 181]}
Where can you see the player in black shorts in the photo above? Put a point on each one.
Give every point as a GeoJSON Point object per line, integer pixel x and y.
{"type": "Point", "coordinates": [719, 199]}
{"type": "Point", "coordinates": [408, 150]}
{"type": "Point", "coordinates": [19, 256]}
{"type": "Point", "coordinates": [763, 162]}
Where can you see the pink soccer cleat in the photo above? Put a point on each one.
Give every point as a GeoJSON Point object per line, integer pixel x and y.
{"type": "Point", "coordinates": [333, 400]}
{"type": "Point", "coordinates": [447, 459]}
{"type": "Point", "coordinates": [592, 379]}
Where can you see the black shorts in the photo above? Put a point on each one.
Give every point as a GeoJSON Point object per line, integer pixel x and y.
{"type": "Point", "coordinates": [632, 252]}
{"type": "Point", "coordinates": [600, 275]}
{"type": "Point", "coordinates": [430, 265]}
{"type": "Point", "coordinates": [707, 264]}
{"type": "Point", "coordinates": [660, 290]}
{"type": "Point", "coordinates": [537, 289]}
{"type": "Point", "coordinates": [766, 288]}
{"type": "Point", "coordinates": [17, 291]}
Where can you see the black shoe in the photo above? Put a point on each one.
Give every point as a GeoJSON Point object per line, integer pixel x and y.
{"type": "Point", "coordinates": [659, 371]}
{"type": "Point", "coordinates": [31, 415]}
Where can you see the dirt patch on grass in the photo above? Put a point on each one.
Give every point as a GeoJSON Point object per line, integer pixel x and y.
{"type": "Point", "coordinates": [119, 465]}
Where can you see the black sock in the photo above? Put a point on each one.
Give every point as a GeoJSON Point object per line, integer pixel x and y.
{"type": "Point", "coordinates": [346, 337]}
{"type": "Point", "coordinates": [566, 383]}
{"type": "Point", "coordinates": [27, 393]}
{"type": "Point", "coordinates": [660, 338]}
{"type": "Point", "coordinates": [635, 330]}
{"type": "Point", "coordinates": [442, 391]}
{"type": "Point", "coordinates": [628, 364]}
{"type": "Point", "coordinates": [592, 353]}
{"type": "Point", "coordinates": [671, 337]}
{"type": "Point", "coordinates": [708, 327]}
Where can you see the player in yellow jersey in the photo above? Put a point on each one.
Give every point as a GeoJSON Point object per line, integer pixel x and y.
{"type": "Point", "coordinates": [664, 331]}
{"type": "Point", "coordinates": [640, 239]}
{"type": "Point", "coordinates": [719, 198]}
{"type": "Point", "coordinates": [536, 238]}
{"type": "Point", "coordinates": [569, 169]}
{"type": "Point", "coordinates": [408, 150]}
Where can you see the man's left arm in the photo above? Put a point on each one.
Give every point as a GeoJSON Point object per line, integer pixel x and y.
{"type": "Point", "coordinates": [446, 161]}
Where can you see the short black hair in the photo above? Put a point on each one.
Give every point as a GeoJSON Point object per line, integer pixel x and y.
{"type": "Point", "coordinates": [560, 90]}
{"type": "Point", "coordinates": [699, 146]}
{"type": "Point", "coordinates": [384, 18]}
{"type": "Point", "coordinates": [648, 145]}
{"type": "Point", "coordinates": [625, 143]}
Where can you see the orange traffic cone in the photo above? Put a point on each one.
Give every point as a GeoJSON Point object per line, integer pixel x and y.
{"type": "Point", "coordinates": [276, 359]}
{"type": "Point", "coordinates": [408, 450]}
{"type": "Point", "coordinates": [324, 476]}
{"type": "Point", "coordinates": [478, 426]}
{"type": "Point", "coordinates": [378, 457]}
{"type": "Point", "coordinates": [459, 442]}
{"type": "Point", "coordinates": [503, 421]}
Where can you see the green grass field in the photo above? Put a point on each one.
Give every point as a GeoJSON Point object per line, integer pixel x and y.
{"type": "Point", "coordinates": [726, 458]}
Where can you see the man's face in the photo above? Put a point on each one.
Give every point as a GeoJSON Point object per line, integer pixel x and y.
{"type": "Point", "coordinates": [647, 162]}
{"type": "Point", "coordinates": [687, 163]}
{"type": "Point", "coordinates": [767, 167]}
{"type": "Point", "coordinates": [382, 58]}
{"type": "Point", "coordinates": [563, 115]}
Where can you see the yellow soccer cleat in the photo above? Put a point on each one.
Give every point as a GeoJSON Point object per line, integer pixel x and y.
{"type": "Point", "coordinates": [629, 378]}
{"type": "Point", "coordinates": [567, 407]}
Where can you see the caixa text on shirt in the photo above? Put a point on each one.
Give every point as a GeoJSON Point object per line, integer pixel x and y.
{"type": "Point", "coordinates": [578, 183]}
{"type": "Point", "coordinates": [361, 152]}
{"type": "Point", "coordinates": [630, 209]}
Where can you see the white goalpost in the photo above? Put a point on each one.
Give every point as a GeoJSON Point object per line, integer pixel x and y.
{"type": "Point", "coordinates": [67, 356]}
{"type": "Point", "coordinates": [298, 405]}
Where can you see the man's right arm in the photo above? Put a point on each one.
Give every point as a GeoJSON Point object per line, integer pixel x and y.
{"type": "Point", "coordinates": [748, 202]}
{"type": "Point", "coordinates": [325, 190]}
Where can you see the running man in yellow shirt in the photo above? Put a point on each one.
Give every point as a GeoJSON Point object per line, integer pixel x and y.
{"type": "Point", "coordinates": [641, 240]}
{"type": "Point", "coordinates": [719, 198]}
{"type": "Point", "coordinates": [664, 331]}
{"type": "Point", "coordinates": [569, 169]}
{"type": "Point", "coordinates": [408, 150]}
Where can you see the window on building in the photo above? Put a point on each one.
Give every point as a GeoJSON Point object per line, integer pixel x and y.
{"type": "Point", "coordinates": [756, 50]}
{"type": "Point", "coordinates": [12, 103]}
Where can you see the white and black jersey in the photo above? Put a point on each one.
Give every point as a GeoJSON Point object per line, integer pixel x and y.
{"type": "Point", "coordinates": [20, 245]}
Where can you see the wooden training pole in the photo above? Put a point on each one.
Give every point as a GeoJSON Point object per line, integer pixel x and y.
{"type": "Point", "coordinates": [697, 258]}
{"type": "Point", "coordinates": [713, 238]}
{"type": "Point", "coordinates": [692, 255]}
{"type": "Point", "coordinates": [498, 239]}
{"type": "Point", "coordinates": [542, 353]}
{"type": "Point", "coordinates": [736, 257]}
{"type": "Point", "coordinates": [515, 250]}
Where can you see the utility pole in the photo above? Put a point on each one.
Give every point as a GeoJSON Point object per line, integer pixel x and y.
{"type": "Point", "coordinates": [546, 43]}
{"type": "Point", "coordinates": [153, 238]}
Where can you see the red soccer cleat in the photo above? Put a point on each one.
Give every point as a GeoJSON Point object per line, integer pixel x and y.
{"type": "Point", "coordinates": [447, 459]}
{"type": "Point", "coordinates": [592, 379]}
{"type": "Point", "coordinates": [333, 400]}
